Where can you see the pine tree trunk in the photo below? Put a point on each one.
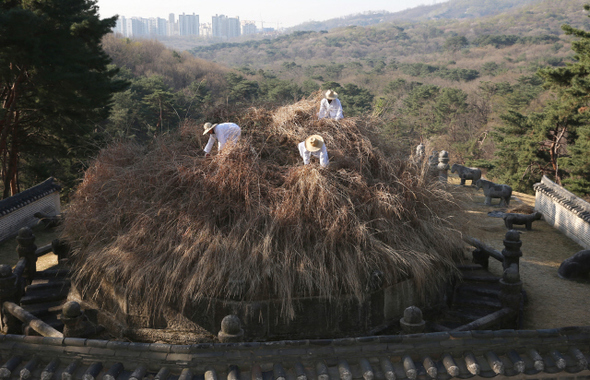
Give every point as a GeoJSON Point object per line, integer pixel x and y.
{"type": "Point", "coordinates": [11, 181]}
{"type": "Point", "coordinates": [7, 127]}
{"type": "Point", "coordinates": [554, 153]}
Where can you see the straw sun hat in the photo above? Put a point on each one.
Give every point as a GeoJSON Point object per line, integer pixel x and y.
{"type": "Point", "coordinates": [314, 143]}
{"type": "Point", "coordinates": [331, 95]}
{"type": "Point", "coordinates": [207, 127]}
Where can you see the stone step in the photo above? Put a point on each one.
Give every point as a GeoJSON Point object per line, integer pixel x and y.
{"type": "Point", "coordinates": [469, 267]}
{"type": "Point", "coordinates": [467, 290]}
{"type": "Point", "coordinates": [41, 310]}
{"type": "Point", "coordinates": [57, 283]}
{"type": "Point", "coordinates": [53, 272]}
{"type": "Point", "coordinates": [480, 277]}
{"type": "Point", "coordinates": [464, 316]}
{"type": "Point", "coordinates": [44, 296]}
{"type": "Point", "coordinates": [487, 305]}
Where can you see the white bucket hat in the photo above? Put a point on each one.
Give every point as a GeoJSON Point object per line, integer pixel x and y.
{"type": "Point", "coordinates": [314, 143]}
{"type": "Point", "coordinates": [331, 95]}
{"type": "Point", "coordinates": [207, 127]}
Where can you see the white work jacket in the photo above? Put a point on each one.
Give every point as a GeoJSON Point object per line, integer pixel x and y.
{"type": "Point", "coordinates": [330, 110]}
{"type": "Point", "coordinates": [223, 133]}
{"type": "Point", "coordinates": [322, 154]}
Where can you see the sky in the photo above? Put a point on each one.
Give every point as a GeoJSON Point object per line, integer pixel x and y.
{"type": "Point", "coordinates": [281, 14]}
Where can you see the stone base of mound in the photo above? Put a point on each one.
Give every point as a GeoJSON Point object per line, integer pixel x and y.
{"type": "Point", "coordinates": [315, 317]}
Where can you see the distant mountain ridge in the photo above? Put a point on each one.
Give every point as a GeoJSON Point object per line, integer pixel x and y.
{"type": "Point", "coordinates": [453, 9]}
{"type": "Point", "coordinates": [539, 21]}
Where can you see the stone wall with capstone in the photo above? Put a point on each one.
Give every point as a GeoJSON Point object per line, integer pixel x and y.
{"type": "Point", "coordinates": [564, 211]}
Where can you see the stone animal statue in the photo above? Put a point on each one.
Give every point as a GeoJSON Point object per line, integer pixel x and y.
{"type": "Point", "coordinates": [575, 267]}
{"type": "Point", "coordinates": [526, 219]}
{"type": "Point", "coordinates": [466, 173]}
{"type": "Point", "coordinates": [420, 151]}
{"type": "Point", "coordinates": [48, 221]}
{"type": "Point", "coordinates": [491, 190]}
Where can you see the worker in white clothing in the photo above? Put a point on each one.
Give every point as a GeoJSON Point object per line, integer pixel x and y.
{"type": "Point", "coordinates": [223, 133]}
{"type": "Point", "coordinates": [313, 146]}
{"type": "Point", "coordinates": [330, 107]}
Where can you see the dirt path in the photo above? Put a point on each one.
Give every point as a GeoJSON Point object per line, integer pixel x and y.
{"type": "Point", "coordinates": [552, 301]}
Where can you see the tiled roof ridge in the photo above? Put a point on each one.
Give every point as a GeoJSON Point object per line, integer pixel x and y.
{"type": "Point", "coordinates": [32, 194]}
{"type": "Point", "coordinates": [565, 198]}
{"type": "Point", "coordinates": [519, 354]}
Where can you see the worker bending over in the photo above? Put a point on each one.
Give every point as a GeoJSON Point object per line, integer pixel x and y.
{"type": "Point", "coordinates": [223, 133]}
{"type": "Point", "coordinates": [313, 146]}
{"type": "Point", "coordinates": [330, 107]}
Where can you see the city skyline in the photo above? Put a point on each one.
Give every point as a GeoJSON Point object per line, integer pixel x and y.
{"type": "Point", "coordinates": [183, 25]}
{"type": "Point", "coordinates": [283, 16]}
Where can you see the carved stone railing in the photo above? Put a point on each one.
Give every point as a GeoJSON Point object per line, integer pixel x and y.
{"type": "Point", "coordinates": [510, 283]}
{"type": "Point", "coordinates": [12, 288]}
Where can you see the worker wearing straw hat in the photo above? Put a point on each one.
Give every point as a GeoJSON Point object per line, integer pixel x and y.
{"type": "Point", "coordinates": [223, 133]}
{"type": "Point", "coordinates": [330, 107]}
{"type": "Point", "coordinates": [313, 146]}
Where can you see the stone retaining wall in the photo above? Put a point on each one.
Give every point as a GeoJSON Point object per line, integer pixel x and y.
{"type": "Point", "coordinates": [564, 211]}
{"type": "Point", "coordinates": [261, 319]}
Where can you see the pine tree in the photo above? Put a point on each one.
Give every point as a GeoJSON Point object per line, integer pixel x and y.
{"type": "Point", "coordinates": [554, 142]}
{"type": "Point", "coordinates": [572, 84]}
{"type": "Point", "coordinates": [55, 80]}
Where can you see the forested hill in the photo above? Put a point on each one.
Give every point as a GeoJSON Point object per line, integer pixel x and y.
{"type": "Point", "coordinates": [453, 9]}
{"type": "Point", "coordinates": [396, 39]}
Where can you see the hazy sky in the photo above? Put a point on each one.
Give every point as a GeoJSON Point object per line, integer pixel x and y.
{"type": "Point", "coordinates": [287, 13]}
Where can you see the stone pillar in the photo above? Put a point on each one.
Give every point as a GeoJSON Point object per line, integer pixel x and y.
{"type": "Point", "coordinates": [8, 292]}
{"type": "Point", "coordinates": [26, 248]}
{"type": "Point", "coordinates": [60, 248]}
{"type": "Point", "coordinates": [433, 161]}
{"type": "Point", "coordinates": [412, 321]}
{"type": "Point", "coordinates": [511, 251]}
{"type": "Point", "coordinates": [481, 257]}
{"type": "Point", "coordinates": [73, 318]}
{"type": "Point", "coordinates": [443, 166]}
{"type": "Point", "coordinates": [231, 330]}
{"type": "Point", "coordinates": [375, 281]}
{"type": "Point", "coordinates": [510, 284]}
{"type": "Point", "coordinates": [420, 153]}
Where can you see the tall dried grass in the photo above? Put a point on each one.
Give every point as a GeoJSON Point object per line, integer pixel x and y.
{"type": "Point", "coordinates": [172, 227]}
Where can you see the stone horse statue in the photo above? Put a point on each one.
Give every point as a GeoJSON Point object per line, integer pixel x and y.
{"type": "Point", "coordinates": [527, 219]}
{"type": "Point", "coordinates": [491, 190]}
{"type": "Point", "coordinates": [466, 173]}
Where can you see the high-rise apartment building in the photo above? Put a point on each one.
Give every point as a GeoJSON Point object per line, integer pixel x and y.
{"type": "Point", "coordinates": [137, 26]}
{"type": "Point", "coordinates": [206, 30]}
{"type": "Point", "coordinates": [249, 27]}
{"type": "Point", "coordinates": [234, 28]}
{"type": "Point", "coordinates": [188, 25]}
{"type": "Point", "coordinates": [172, 25]}
{"type": "Point", "coordinates": [161, 26]}
{"type": "Point", "coordinates": [121, 26]}
{"type": "Point", "coordinates": [223, 26]}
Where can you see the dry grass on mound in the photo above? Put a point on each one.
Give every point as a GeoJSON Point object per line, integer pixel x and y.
{"type": "Point", "coordinates": [172, 227]}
